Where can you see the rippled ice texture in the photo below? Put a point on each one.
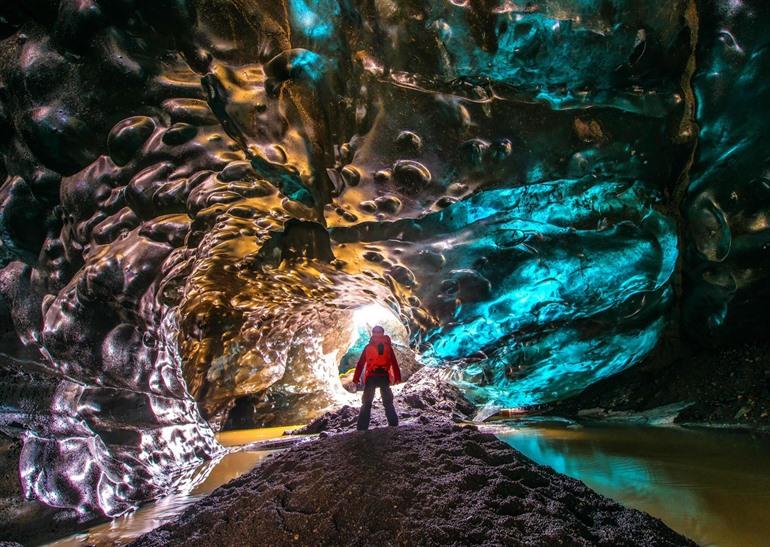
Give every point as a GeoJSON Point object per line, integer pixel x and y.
{"type": "Point", "coordinates": [199, 194]}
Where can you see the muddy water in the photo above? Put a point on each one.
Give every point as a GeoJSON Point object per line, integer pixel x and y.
{"type": "Point", "coordinates": [208, 477]}
{"type": "Point", "coordinates": [241, 437]}
{"type": "Point", "coordinates": [710, 485]}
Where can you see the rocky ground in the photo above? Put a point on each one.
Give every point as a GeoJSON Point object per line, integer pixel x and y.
{"type": "Point", "coordinates": [427, 395]}
{"type": "Point", "coordinates": [432, 481]}
{"type": "Point", "coordinates": [726, 387]}
{"type": "Point", "coordinates": [428, 482]}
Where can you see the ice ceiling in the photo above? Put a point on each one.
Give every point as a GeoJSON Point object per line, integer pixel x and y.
{"type": "Point", "coordinates": [199, 194]}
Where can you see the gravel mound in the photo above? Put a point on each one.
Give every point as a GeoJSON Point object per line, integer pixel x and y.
{"type": "Point", "coordinates": [433, 483]}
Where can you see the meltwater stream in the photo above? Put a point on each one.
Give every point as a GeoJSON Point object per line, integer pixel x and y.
{"type": "Point", "coordinates": [710, 485]}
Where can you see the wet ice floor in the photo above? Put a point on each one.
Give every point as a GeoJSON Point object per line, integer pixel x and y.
{"type": "Point", "coordinates": [710, 485]}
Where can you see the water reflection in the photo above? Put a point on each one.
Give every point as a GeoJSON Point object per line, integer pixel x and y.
{"type": "Point", "coordinates": [712, 486]}
{"type": "Point", "coordinates": [239, 437]}
{"type": "Point", "coordinates": [205, 479]}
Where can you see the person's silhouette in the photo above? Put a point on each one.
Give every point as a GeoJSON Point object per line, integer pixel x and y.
{"type": "Point", "coordinates": [379, 369]}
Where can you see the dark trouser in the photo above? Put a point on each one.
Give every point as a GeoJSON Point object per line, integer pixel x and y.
{"type": "Point", "coordinates": [372, 383]}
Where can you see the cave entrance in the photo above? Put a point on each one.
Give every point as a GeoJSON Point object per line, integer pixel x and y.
{"type": "Point", "coordinates": [319, 375]}
{"type": "Point", "coordinates": [365, 319]}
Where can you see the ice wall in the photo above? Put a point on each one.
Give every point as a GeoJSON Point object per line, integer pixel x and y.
{"type": "Point", "coordinates": [728, 198]}
{"type": "Point", "coordinates": [198, 195]}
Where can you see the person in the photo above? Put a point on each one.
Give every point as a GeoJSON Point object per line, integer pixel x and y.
{"type": "Point", "coordinates": [379, 369]}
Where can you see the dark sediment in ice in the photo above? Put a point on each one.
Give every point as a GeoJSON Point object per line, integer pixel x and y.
{"type": "Point", "coordinates": [422, 483]}
{"type": "Point", "coordinates": [726, 387]}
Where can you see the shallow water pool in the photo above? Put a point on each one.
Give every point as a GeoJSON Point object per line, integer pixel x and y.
{"type": "Point", "coordinates": [711, 485]}
{"type": "Point", "coordinates": [207, 478]}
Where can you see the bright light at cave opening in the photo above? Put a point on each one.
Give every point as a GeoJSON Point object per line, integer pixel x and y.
{"type": "Point", "coordinates": [369, 316]}
{"type": "Point", "coordinates": [362, 321]}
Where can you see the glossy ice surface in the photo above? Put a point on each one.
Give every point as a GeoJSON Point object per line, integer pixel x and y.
{"type": "Point", "coordinates": [198, 195]}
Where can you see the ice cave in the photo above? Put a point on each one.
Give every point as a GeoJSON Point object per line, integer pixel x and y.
{"type": "Point", "coordinates": [558, 211]}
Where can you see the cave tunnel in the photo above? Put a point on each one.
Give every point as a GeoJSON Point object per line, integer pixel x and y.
{"type": "Point", "coordinates": [557, 210]}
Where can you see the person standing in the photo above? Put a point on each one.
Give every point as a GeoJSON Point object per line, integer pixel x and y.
{"type": "Point", "coordinates": [379, 368]}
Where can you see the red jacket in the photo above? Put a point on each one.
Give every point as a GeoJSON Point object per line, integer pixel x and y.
{"type": "Point", "coordinates": [378, 354]}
